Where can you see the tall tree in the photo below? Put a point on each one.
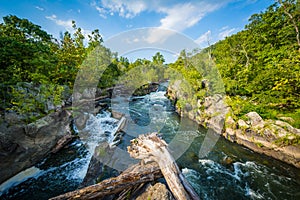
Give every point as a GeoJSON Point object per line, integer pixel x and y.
{"type": "Point", "coordinates": [25, 51]}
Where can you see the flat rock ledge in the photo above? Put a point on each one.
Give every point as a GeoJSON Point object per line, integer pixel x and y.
{"type": "Point", "coordinates": [270, 137]}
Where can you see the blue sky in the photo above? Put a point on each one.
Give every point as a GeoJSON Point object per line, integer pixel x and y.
{"type": "Point", "coordinates": [203, 21]}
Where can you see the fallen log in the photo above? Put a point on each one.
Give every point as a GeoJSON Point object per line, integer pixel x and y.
{"type": "Point", "coordinates": [155, 162]}
{"type": "Point", "coordinates": [131, 177]}
{"type": "Point", "coordinates": [61, 143]}
{"type": "Point", "coordinates": [82, 102]}
{"type": "Point", "coordinates": [151, 148]}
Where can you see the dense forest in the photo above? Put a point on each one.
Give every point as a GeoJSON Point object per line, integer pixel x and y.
{"type": "Point", "coordinates": [38, 71]}
{"type": "Point", "coordinates": [259, 66]}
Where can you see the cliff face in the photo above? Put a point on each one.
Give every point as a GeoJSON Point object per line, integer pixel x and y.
{"type": "Point", "coordinates": [273, 138]}
{"type": "Point", "coordinates": [22, 146]}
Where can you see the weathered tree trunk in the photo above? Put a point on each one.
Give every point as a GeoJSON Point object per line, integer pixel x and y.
{"type": "Point", "coordinates": [63, 142]}
{"type": "Point", "coordinates": [151, 148]}
{"type": "Point", "coordinates": [156, 161]}
{"type": "Point", "coordinates": [132, 177]}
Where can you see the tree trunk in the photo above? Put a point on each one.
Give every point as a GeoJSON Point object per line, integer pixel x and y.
{"type": "Point", "coordinates": [156, 161]}
{"type": "Point", "coordinates": [151, 148]}
{"type": "Point", "coordinates": [63, 142]}
{"type": "Point", "coordinates": [132, 177]}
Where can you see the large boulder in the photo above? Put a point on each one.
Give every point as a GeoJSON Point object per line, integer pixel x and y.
{"type": "Point", "coordinates": [158, 191]}
{"type": "Point", "coordinates": [22, 146]}
{"type": "Point", "coordinates": [255, 120]}
{"type": "Point", "coordinates": [214, 113]}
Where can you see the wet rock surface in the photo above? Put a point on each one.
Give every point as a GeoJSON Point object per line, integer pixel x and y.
{"type": "Point", "coordinates": [22, 146]}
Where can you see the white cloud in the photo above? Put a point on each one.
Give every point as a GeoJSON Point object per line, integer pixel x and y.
{"type": "Point", "coordinates": [102, 11]}
{"type": "Point", "coordinates": [225, 32]}
{"type": "Point", "coordinates": [224, 28]}
{"type": "Point", "coordinates": [157, 35]}
{"type": "Point", "coordinates": [39, 8]}
{"type": "Point", "coordinates": [132, 40]}
{"type": "Point", "coordinates": [251, 1]}
{"type": "Point", "coordinates": [126, 8]}
{"type": "Point", "coordinates": [204, 39]}
{"type": "Point", "coordinates": [177, 15]}
{"type": "Point", "coordinates": [65, 23]}
{"type": "Point", "coordinates": [187, 14]}
{"type": "Point", "coordinates": [182, 16]}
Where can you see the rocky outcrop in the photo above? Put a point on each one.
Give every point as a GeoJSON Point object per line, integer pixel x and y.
{"type": "Point", "coordinates": [209, 112]}
{"type": "Point", "coordinates": [274, 138]}
{"type": "Point", "coordinates": [22, 146]}
{"type": "Point", "coordinates": [158, 191]}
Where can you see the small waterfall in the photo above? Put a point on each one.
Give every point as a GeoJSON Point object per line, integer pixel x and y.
{"type": "Point", "coordinates": [99, 128]}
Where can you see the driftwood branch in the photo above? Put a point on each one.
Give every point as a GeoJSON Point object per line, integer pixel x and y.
{"type": "Point", "coordinates": [132, 177]}
{"type": "Point", "coordinates": [61, 143]}
{"type": "Point", "coordinates": [156, 161]}
{"type": "Point", "coordinates": [151, 148]}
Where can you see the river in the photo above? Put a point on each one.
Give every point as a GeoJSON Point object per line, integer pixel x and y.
{"type": "Point", "coordinates": [228, 171]}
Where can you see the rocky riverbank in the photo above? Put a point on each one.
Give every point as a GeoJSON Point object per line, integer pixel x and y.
{"type": "Point", "coordinates": [275, 138]}
{"type": "Point", "coordinates": [24, 145]}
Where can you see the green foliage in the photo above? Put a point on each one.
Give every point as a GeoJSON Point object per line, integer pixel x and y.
{"type": "Point", "coordinates": [32, 101]}
{"type": "Point", "coordinates": [289, 139]}
{"type": "Point", "coordinates": [258, 144]}
{"type": "Point", "coordinates": [260, 66]}
{"type": "Point", "coordinates": [158, 59]}
{"type": "Point", "coordinates": [25, 51]}
{"type": "Point", "coordinates": [295, 115]}
{"type": "Point", "coordinates": [142, 72]}
{"type": "Point", "coordinates": [34, 65]}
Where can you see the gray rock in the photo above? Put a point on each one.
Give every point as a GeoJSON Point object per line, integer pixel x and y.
{"type": "Point", "coordinates": [89, 93]}
{"type": "Point", "coordinates": [242, 124]}
{"type": "Point", "coordinates": [287, 119]}
{"type": "Point", "coordinates": [255, 119]}
{"type": "Point", "coordinates": [229, 134]}
{"type": "Point", "coordinates": [156, 192]}
{"type": "Point", "coordinates": [188, 107]}
{"type": "Point", "coordinates": [287, 127]}
{"type": "Point", "coordinates": [22, 146]}
{"type": "Point", "coordinates": [230, 123]}
{"type": "Point", "coordinates": [49, 106]}
{"type": "Point", "coordinates": [12, 118]}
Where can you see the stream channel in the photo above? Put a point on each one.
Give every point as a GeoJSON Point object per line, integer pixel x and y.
{"type": "Point", "coordinates": [229, 171]}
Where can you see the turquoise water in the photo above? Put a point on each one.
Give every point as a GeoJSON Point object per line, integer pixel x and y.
{"type": "Point", "coordinates": [228, 171]}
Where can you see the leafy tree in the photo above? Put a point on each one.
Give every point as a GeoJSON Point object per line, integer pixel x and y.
{"type": "Point", "coordinates": [32, 60]}
{"type": "Point", "coordinates": [25, 51]}
{"type": "Point", "coordinates": [158, 59]}
{"type": "Point", "coordinates": [261, 63]}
